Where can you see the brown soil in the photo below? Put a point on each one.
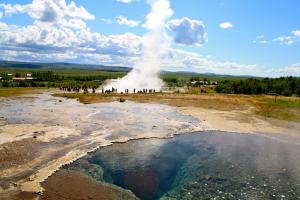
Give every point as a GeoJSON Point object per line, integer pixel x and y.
{"type": "Point", "coordinates": [72, 185]}
{"type": "Point", "coordinates": [17, 152]}
{"type": "Point", "coordinates": [16, 195]}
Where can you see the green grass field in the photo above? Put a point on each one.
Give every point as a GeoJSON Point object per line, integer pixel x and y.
{"type": "Point", "coordinates": [9, 92]}
{"type": "Point", "coordinates": [286, 108]}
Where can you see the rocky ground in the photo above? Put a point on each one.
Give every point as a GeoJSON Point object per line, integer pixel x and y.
{"type": "Point", "coordinates": [40, 133]}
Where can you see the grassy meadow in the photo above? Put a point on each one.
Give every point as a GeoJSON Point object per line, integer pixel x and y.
{"type": "Point", "coordinates": [16, 91]}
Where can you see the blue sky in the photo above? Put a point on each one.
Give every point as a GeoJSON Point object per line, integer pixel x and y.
{"type": "Point", "coordinates": [255, 37]}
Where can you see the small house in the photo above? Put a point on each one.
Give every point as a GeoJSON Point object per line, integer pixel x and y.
{"type": "Point", "coordinates": [18, 79]}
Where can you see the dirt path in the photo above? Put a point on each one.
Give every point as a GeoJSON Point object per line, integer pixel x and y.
{"type": "Point", "coordinates": [242, 121]}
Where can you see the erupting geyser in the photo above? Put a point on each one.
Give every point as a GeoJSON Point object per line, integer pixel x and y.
{"type": "Point", "coordinates": [145, 73]}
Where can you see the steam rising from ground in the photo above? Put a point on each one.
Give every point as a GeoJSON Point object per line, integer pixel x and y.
{"type": "Point", "coordinates": [145, 73]}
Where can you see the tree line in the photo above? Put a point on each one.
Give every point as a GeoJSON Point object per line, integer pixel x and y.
{"type": "Point", "coordinates": [286, 86]}
{"type": "Point", "coordinates": [51, 79]}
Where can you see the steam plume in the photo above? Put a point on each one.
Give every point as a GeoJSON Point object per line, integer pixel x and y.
{"type": "Point", "coordinates": [145, 73]}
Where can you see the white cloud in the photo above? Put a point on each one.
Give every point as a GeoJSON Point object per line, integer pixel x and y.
{"type": "Point", "coordinates": [124, 1]}
{"type": "Point", "coordinates": [46, 43]}
{"type": "Point", "coordinates": [226, 25]}
{"type": "Point", "coordinates": [292, 70]}
{"type": "Point", "coordinates": [263, 42]}
{"type": "Point", "coordinates": [128, 22]}
{"type": "Point", "coordinates": [59, 32]}
{"type": "Point", "coordinates": [49, 10]}
{"type": "Point", "coordinates": [203, 64]}
{"type": "Point", "coordinates": [188, 32]}
{"type": "Point", "coordinates": [106, 21]}
{"type": "Point", "coordinates": [296, 33]}
{"type": "Point", "coordinates": [289, 40]}
{"type": "Point", "coordinates": [11, 9]}
{"type": "Point", "coordinates": [286, 40]}
{"type": "Point", "coordinates": [3, 26]}
{"type": "Point", "coordinates": [260, 39]}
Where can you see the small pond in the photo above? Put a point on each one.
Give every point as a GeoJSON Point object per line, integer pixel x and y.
{"type": "Point", "coordinates": [200, 165]}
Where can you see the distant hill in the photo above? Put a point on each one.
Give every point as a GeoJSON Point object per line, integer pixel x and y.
{"type": "Point", "coordinates": [33, 65]}
{"type": "Point", "coordinates": [207, 75]}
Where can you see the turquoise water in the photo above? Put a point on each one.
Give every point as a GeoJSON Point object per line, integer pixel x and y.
{"type": "Point", "coordinates": [204, 165]}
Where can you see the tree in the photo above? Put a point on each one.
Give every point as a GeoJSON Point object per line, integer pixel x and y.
{"type": "Point", "coordinates": [5, 84]}
{"type": "Point", "coordinates": [282, 86]}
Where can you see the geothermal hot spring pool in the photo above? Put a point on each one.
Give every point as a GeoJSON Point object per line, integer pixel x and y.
{"type": "Point", "coordinates": [200, 165]}
{"type": "Point", "coordinates": [194, 164]}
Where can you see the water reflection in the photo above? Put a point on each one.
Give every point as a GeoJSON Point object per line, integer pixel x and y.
{"type": "Point", "coordinates": [208, 165]}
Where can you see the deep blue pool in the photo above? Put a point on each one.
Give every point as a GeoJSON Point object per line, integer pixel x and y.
{"type": "Point", "coordinates": [204, 165]}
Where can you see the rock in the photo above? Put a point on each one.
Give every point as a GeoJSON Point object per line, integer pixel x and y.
{"type": "Point", "coordinates": [194, 185]}
{"type": "Point", "coordinates": [122, 100]}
